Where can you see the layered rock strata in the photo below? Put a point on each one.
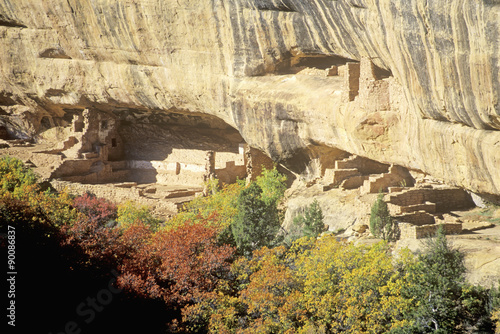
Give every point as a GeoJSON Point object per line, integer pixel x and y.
{"type": "Point", "coordinates": [412, 83]}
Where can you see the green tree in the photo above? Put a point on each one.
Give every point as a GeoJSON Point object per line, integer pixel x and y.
{"type": "Point", "coordinates": [272, 184]}
{"type": "Point", "coordinates": [309, 224]}
{"type": "Point", "coordinates": [444, 303]}
{"type": "Point", "coordinates": [256, 223]}
{"type": "Point", "coordinates": [258, 219]}
{"type": "Point", "coordinates": [381, 223]}
{"type": "Point", "coordinates": [313, 220]}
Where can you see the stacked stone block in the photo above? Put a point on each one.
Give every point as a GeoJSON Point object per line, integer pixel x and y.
{"type": "Point", "coordinates": [445, 199]}
{"type": "Point", "coordinates": [353, 182]}
{"type": "Point", "coordinates": [421, 224]}
{"type": "Point", "coordinates": [409, 231]}
{"type": "Point", "coordinates": [417, 218]}
{"type": "Point", "coordinates": [382, 182]}
{"type": "Point", "coordinates": [373, 91]}
{"type": "Point", "coordinates": [255, 162]}
{"type": "Point", "coordinates": [350, 88]}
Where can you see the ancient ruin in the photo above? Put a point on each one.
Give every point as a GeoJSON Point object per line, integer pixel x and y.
{"type": "Point", "coordinates": [369, 78]}
{"type": "Point", "coordinates": [418, 205]}
{"type": "Point", "coordinates": [162, 165]}
{"type": "Point", "coordinates": [163, 160]}
{"type": "Point", "coordinates": [149, 100]}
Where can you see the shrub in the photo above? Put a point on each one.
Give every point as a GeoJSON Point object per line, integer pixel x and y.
{"type": "Point", "coordinates": [272, 184]}
{"type": "Point", "coordinates": [495, 316]}
{"type": "Point", "coordinates": [130, 212]}
{"type": "Point", "coordinates": [309, 224]}
{"type": "Point", "coordinates": [20, 182]}
{"type": "Point", "coordinates": [96, 209]}
{"type": "Point", "coordinates": [16, 179]}
{"type": "Point", "coordinates": [221, 203]}
{"type": "Point", "coordinates": [56, 206]}
{"type": "Point", "coordinates": [14, 175]}
{"type": "Point", "coordinates": [494, 307]}
{"type": "Point", "coordinates": [317, 286]}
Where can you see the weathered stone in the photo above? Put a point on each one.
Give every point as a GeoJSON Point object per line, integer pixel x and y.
{"type": "Point", "coordinates": [360, 228]}
{"type": "Point", "coordinates": [429, 101]}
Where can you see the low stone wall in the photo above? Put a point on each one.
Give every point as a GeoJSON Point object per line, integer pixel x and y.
{"type": "Point", "coordinates": [409, 231]}
{"type": "Point", "coordinates": [185, 178]}
{"type": "Point", "coordinates": [445, 199]}
{"type": "Point", "coordinates": [396, 209]}
{"type": "Point", "coordinates": [353, 182]}
{"type": "Point", "coordinates": [363, 165]}
{"type": "Point", "coordinates": [395, 176]}
{"type": "Point", "coordinates": [116, 194]}
{"type": "Point", "coordinates": [231, 173]}
{"type": "Point", "coordinates": [416, 218]}
{"type": "Point", "coordinates": [395, 189]}
{"type": "Point", "coordinates": [73, 167]}
{"type": "Point", "coordinates": [336, 176]}
{"type": "Point", "coordinates": [197, 157]}
{"type": "Point", "coordinates": [104, 176]}
{"type": "Point", "coordinates": [164, 172]}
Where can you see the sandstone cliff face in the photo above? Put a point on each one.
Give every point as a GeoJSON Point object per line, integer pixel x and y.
{"type": "Point", "coordinates": [427, 98]}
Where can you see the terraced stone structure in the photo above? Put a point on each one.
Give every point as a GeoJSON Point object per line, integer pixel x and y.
{"type": "Point", "coordinates": [419, 211]}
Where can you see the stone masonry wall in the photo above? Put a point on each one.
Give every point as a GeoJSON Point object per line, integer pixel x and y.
{"type": "Point", "coordinates": [418, 218]}
{"type": "Point", "coordinates": [373, 91]}
{"type": "Point", "coordinates": [427, 207]}
{"type": "Point", "coordinates": [353, 182]}
{"type": "Point", "coordinates": [364, 165]}
{"type": "Point", "coordinates": [445, 199]}
{"type": "Point", "coordinates": [255, 162]}
{"type": "Point", "coordinates": [393, 177]}
{"type": "Point", "coordinates": [231, 173]}
{"type": "Point", "coordinates": [409, 231]}
{"type": "Point", "coordinates": [116, 194]}
{"type": "Point", "coordinates": [339, 175]}
{"type": "Point", "coordinates": [350, 88]}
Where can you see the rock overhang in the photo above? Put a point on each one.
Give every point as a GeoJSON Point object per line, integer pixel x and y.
{"type": "Point", "coordinates": [235, 60]}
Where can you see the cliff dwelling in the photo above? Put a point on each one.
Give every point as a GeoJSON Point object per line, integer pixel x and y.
{"type": "Point", "coordinates": [158, 159]}
{"type": "Point", "coordinates": [141, 147]}
{"type": "Point", "coordinates": [342, 109]}
{"type": "Point", "coordinates": [378, 112]}
{"type": "Point", "coordinates": [162, 159]}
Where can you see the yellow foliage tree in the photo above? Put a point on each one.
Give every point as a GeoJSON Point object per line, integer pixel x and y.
{"type": "Point", "coordinates": [317, 286]}
{"type": "Point", "coordinates": [349, 288]}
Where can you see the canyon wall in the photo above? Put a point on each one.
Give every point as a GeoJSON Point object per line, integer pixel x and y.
{"type": "Point", "coordinates": [409, 82]}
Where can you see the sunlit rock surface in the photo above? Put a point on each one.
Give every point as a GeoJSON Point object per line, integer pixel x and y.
{"type": "Point", "coordinates": [409, 82]}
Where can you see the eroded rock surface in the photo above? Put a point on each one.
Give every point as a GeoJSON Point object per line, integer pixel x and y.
{"type": "Point", "coordinates": [414, 83]}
